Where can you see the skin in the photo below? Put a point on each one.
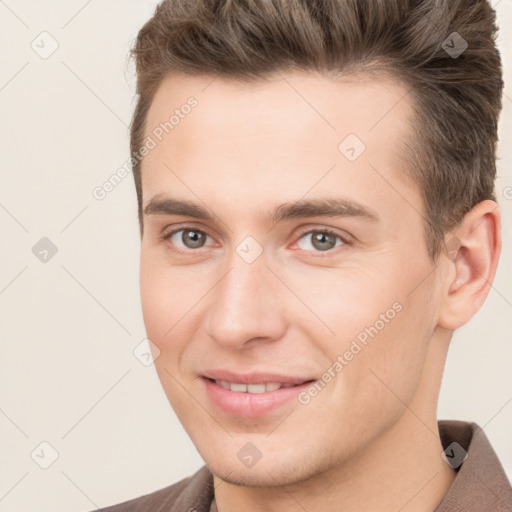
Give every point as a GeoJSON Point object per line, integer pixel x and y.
{"type": "Point", "coordinates": [369, 440]}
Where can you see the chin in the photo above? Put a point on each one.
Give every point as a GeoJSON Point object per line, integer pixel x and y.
{"type": "Point", "coordinates": [263, 474]}
{"type": "Point", "coordinates": [249, 478]}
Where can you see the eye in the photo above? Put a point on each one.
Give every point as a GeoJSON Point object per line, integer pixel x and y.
{"type": "Point", "coordinates": [317, 240]}
{"type": "Point", "coordinates": [320, 240]}
{"type": "Point", "coordinates": [187, 238]}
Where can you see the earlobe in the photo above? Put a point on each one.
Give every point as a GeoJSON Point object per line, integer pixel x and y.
{"type": "Point", "coordinates": [471, 258]}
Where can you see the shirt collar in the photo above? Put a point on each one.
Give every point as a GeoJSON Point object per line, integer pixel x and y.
{"type": "Point", "coordinates": [481, 483]}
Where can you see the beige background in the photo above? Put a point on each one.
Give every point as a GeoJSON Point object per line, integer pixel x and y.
{"type": "Point", "coordinates": [68, 327]}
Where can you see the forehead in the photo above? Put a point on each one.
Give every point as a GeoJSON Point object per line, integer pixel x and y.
{"type": "Point", "coordinates": [282, 134]}
{"type": "Point", "coordinates": [359, 102]}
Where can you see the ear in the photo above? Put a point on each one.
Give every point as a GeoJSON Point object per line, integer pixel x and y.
{"type": "Point", "coordinates": [472, 254]}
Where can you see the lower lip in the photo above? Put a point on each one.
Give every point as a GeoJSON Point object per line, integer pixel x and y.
{"type": "Point", "coordinates": [250, 405]}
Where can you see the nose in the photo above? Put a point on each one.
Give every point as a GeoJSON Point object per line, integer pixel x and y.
{"type": "Point", "coordinates": [247, 306]}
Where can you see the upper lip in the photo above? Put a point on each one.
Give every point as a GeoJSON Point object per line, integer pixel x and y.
{"type": "Point", "coordinates": [254, 377]}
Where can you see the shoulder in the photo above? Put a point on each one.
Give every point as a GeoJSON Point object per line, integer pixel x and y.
{"type": "Point", "coordinates": [192, 493]}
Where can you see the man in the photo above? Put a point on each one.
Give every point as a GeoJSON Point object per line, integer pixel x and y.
{"type": "Point", "coordinates": [315, 190]}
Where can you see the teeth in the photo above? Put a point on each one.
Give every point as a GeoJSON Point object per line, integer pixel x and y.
{"type": "Point", "coordinates": [238, 387]}
{"type": "Point", "coordinates": [256, 388]}
{"type": "Point", "coordinates": [252, 388]}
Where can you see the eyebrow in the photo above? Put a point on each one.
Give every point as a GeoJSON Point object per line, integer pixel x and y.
{"type": "Point", "coordinates": [323, 207]}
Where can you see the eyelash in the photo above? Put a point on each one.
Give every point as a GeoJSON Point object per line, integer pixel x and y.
{"type": "Point", "coordinates": [327, 231]}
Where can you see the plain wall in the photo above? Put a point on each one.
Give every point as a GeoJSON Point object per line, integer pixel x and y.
{"type": "Point", "coordinates": [68, 327]}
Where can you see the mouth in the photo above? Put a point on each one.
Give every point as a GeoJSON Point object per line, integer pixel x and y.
{"type": "Point", "coordinates": [252, 400]}
{"type": "Point", "coordinates": [263, 387]}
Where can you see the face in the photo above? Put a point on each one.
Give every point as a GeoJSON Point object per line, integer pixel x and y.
{"type": "Point", "coordinates": [284, 245]}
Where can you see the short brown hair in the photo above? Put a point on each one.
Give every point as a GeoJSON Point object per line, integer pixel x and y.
{"type": "Point", "coordinates": [456, 98]}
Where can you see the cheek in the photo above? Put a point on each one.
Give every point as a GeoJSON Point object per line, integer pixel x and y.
{"type": "Point", "coordinates": [165, 303]}
{"type": "Point", "coordinates": [161, 313]}
{"type": "Point", "coordinates": [395, 357]}
{"type": "Point", "coordinates": [371, 318]}
{"type": "Point", "coordinates": [154, 299]}
{"type": "Point", "coordinates": [172, 300]}
{"type": "Point", "coordinates": [340, 305]}
{"type": "Point", "coordinates": [166, 295]}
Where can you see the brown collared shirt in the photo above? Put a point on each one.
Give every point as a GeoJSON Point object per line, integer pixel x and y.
{"type": "Point", "coordinates": [480, 485]}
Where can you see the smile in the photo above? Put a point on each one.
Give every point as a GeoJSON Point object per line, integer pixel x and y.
{"type": "Point", "coordinates": [251, 400]}
{"type": "Point", "coordinates": [254, 388]}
